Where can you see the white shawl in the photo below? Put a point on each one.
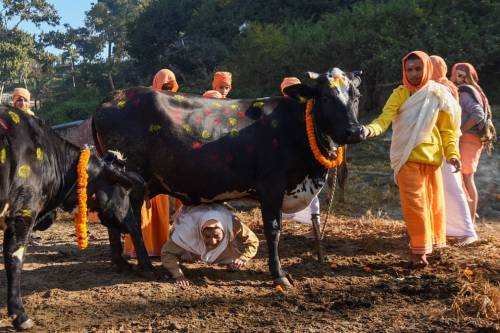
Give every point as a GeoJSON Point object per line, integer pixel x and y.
{"type": "Point", "coordinates": [416, 119]}
{"type": "Point", "coordinates": [188, 223]}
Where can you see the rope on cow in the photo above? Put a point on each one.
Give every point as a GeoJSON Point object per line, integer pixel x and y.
{"type": "Point", "coordinates": [313, 143]}
{"type": "Point", "coordinates": [82, 178]}
{"type": "Point", "coordinates": [330, 202]}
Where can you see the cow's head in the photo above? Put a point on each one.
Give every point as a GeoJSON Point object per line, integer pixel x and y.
{"type": "Point", "coordinates": [336, 98]}
{"type": "Point", "coordinates": [109, 188]}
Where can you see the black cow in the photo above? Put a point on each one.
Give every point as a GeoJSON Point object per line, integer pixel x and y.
{"type": "Point", "coordinates": [37, 175]}
{"type": "Point", "coordinates": [205, 150]}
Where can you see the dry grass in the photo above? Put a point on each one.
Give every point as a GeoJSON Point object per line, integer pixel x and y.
{"type": "Point", "coordinates": [480, 299]}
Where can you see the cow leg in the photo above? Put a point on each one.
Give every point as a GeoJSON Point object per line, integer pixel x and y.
{"type": "Point", "coordinates": [117, 258]}
{"type": "Point", "coordinates": [14, 245]}
{"type": "Point", "coordinates": [271, 202]}
{"type": "Point", "coordinates": [132, 223]}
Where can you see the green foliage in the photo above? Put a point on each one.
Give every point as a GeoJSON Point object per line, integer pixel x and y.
{"type": "Point", "coordinates": [71, 105]}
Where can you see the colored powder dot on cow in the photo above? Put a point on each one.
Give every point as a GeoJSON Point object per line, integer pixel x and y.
{"type": "Point", "coordinates": [205, 134]}
{"type": "Point", "coordinates": [179, 98]}
{"type": "Point", "coordinates": [235, 107]}
{"type": "Point", "coordinates": [187, 128]}
{"type": "Point", "coordinates": [241, 114]}
{"type": "Point", "coordinates": [232, 121]}
{"type": "Point", "coordinates": [3, 155]}
{"type": "Point", "coordinates": [216, 104]}
{"type": "Point", "coordinates": [233, 132]}
{"type": "Point", "coordinates": [302, 99]}
{"type": "Point", "coordinates": [217, 122]}
{"type": "Point", "coordinates": [24, 171]}
{"type": "Point", "coordinates": [258, 104]}
{"type": "Point", "coordinates": [274, 123]}
{"type": "Point", "coordinates": [121, 104]}
{"type": "Point", "coordinates": [196, 145]}
{"type": "Point", "coordinates": [39, 153]}
{"type": "Point", "coordinates": [15, 117]}
{"type": "Point", "coordinates": [154, 128]}
{"type": "Point", "coordinates": [26, 213]}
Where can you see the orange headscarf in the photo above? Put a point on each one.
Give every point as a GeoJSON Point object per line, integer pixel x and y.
{"type": "Point", "coordinates": [287, 82]}
{"type": "Point", "coordinates": [427, 70]}
{"type": "Point", "coordinates": [20, 92]}
{"type": "Point", "coordinates": [472, 78]}
{"type": "Point", "coordinates": [439, 70]}
{"type": "Point", "coordinates": [165, 76]}
{"type": "Point", "coordinates": [212, 94]}
{"type": "Point", "coordinates": [221, 77]}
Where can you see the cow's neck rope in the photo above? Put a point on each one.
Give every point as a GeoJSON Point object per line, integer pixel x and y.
{"type": "Point", "coordinates": [313, 143]}
{"type": "Point", "coordinates": [82, 178]}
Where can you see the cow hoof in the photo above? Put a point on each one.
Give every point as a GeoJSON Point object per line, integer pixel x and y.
{"type": "Point", "coordinates": [148, 275]}
{"type": "Point", "coordinates": [23, 323]}
{"type": "Point", "coordinates": [123, 266]}
{"type": "Point", "coordinates": [284, 282]}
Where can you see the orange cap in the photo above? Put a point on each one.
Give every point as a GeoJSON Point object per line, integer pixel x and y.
{"type": "Point", "coordinates": [427, 70]}
{"type": "Point", "coordinates": [222, 77]}
{"type": "Point", "coordinates": [165, 76]}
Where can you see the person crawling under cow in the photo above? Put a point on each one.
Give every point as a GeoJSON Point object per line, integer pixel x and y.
{"type": "Point", "coordinates": [211, 232]}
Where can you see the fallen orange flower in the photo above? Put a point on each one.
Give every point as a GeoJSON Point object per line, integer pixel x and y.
{"type": "Point", "coordinates": [367, 269]}
{"type": "Point", "coordinates": [333, 265]}
{"type": "Point", "coordinates": [279, 289]}
{"type": "Point", "coordinates": [469, 272]}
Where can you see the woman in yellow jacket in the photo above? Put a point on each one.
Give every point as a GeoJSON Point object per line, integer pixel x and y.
{"type": "Point", "coordinates": [155, 215]}
{"type": "Point", "coordinates": [425, 121]}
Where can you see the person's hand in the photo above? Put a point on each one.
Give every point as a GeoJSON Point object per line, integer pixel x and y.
{"type": "Point", "coordinates": [237, 264]}
{"type": "Point", "coordinates": [366, 132]}
{"type": "Point", "coordinates": [456, 163]}
{"type": "Point", "coordinates": [182, 281]}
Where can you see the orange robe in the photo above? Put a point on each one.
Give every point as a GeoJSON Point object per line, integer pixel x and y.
{"type": "Point", "coordinates": [155, 226]}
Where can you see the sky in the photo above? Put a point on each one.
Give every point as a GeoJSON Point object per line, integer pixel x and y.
{"type": "Point", "coordinates": [70, 11]}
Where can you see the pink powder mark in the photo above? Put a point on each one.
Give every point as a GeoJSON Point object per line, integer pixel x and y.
{"type": "Point", "coordinates": [207, 112]}
{"type": "Point", "coordinates": [3, 124]}
{"type": "Point", "coordinates": [241, 114]}
{"type": "Point", "coordinates": [217, 122]}
{"type": "Point", "coordinates": [130, 94]}
{"type": "Point", "coordinates": [227, 111]}
{"type": "Point", "coordinates": [196, 145]}
{"type": "Point", "coordinates": [198, 119]}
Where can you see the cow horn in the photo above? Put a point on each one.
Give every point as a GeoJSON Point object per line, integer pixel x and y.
{"type": "Point", "coordinates": [312, 75]}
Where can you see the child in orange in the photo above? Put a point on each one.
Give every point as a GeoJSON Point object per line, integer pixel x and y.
{"type": "Point", "coordinates": [222, 82]}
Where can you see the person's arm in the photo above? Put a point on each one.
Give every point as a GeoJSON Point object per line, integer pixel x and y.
{"type": "Point", "coordinates": [449, 139]}
{"type": "Point", "coordinates": [170, 253]}
{"type": "Point", "coordinates": [391, 108]}
{"type": "Point", "coordinates": [473, 108]}
{"type": "Point", "coordinates": [247, 238]}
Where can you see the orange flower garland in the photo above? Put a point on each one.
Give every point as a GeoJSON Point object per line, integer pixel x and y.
{"type": "Point", "coordinates": [313, 144]}
{"type": "Point", "coordinates": [81, 190]}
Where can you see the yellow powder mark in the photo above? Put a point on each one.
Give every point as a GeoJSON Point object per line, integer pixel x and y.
{"type": "Point", "coordinates": [3, 155]}
{"type": "Point", "coordinates": [26, 213]}
{"type": "Point", "coordinates": [39, 154]}
{"type": "Point", "coordinates": [205, 134]}
{"type": "Point", "coordinates": [337, 83]}
{"type": "Point", "coordinates": [232, 121]}
{"type": "Point", "coordinates": [121, 104]}
{"type": "Point", "coordinates": [15, 117]}
{"type": "Point", "coordinates": [187, 128]}
{"type": "Point", "coordinates": [233, 132]}
{"type": "Point", "coordinates": [179, 98]}
{"type": "Point", "coordinates": [19, 253]}
{"type": "Point", "coordinates": [216, 104]}
{"type": "Point", "coordinates": [302, 99]}
{"type": "Point", "coordinates": [258, 104]}
{"type": "Point", "coordinates": [235, 107]}
{"type": "Point", "coordinates": [154, 128]}
{"type": "Point", "coordinates": [24, 171]}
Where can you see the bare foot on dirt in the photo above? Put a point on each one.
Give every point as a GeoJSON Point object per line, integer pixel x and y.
{"type": "Point", "coordinates": [418, 260]}
{"type": "Point", "coordinates": [466, 241]}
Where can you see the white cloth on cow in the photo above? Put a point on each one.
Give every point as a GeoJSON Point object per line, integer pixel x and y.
{"type": "Point", "coordinates": [304, 216]}
{"type": "Point", "coordinates": [416, 119]}
{"type": "Point", "coordinates": [188, 225]}
{"type": "Point", "coordinates": [458, 220]}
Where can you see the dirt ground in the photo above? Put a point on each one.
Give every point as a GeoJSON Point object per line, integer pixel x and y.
{"type": "Point", "coordinates": [371, 289]}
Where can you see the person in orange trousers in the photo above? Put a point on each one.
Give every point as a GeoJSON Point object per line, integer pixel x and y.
{"type": "Point", "coordinates": [425, 120]}
{"type": "Point", "coordinates": [155, 214]}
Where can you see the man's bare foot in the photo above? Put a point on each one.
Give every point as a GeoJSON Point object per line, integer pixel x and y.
{"type": "Point", "coordinates": [466, 241]}
{"type": "Point", "coordinates": [418, 260]}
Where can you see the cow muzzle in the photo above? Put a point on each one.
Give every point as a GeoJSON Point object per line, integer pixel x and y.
{"type": "Point", "coordinates": [355, 134]}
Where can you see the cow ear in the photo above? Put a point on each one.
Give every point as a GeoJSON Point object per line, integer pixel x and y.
{"type": "Point", "coordinates": [299, 91]}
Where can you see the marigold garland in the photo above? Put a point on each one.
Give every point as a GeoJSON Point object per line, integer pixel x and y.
{"type": "Point", "coordinates": [81, 190]}
{"type": "Point", "coordinates": [313, 144]}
